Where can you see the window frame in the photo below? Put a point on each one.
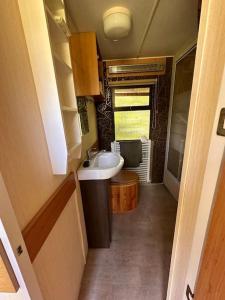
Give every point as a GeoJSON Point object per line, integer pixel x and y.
{"type": "Point", "coordinates": [134, 108]}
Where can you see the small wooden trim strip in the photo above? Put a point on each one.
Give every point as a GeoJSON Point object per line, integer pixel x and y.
{"type": "Point", "coordinates": [37, 231]}
{"type": "Point", "coordinates": [8, 281]}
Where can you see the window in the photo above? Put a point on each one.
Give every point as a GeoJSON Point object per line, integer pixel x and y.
{"type": "Point", "coordinates": [131, 113]}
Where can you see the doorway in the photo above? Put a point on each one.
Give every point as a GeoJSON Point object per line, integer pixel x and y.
{"type": "Point", "coordinates": [183, 71]}
{"type": "Point", "coordinates": [137, 263]}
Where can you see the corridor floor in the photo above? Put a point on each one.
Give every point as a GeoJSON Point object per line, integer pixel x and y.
{"type": "Point", "coordinates": [136, 267]}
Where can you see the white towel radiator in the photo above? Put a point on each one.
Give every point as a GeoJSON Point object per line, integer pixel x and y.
{"type": "Point", "coordinates": [144, 168]}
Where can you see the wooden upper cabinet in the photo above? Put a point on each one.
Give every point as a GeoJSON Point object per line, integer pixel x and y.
{"type": "Point", "coordinates": [87, 64]}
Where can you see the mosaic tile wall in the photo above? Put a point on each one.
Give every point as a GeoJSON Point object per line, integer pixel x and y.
{"type": "Point", "coordinates": [159, 131]}
{"type": "Point", "coordinates": [105, 120]}
{"type": "Point", "coordinates": [159, 122]}
{"type": "Point", "coordinates": [82, 109]}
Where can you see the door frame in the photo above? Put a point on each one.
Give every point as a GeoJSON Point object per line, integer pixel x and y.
{"type": "Point", "coordinates": [203, 153]}
{"type": "Point", "coordinates": [11, 237]}
{"type": "Point", "coordinates": [215, 157]}
{"type": "Point", "coordinates": [172, 183]}
{"type": "Point", "coordinates": [210, 280]}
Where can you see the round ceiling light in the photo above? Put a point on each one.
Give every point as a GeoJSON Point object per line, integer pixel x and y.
{"type": "Point", "coordinates": [117, 22]}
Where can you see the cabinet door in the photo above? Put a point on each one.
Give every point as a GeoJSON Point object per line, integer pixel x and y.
{"type": "Point", "coordinates": [83, 48]}
{"type": "Point", "coordinates": [97, 212]}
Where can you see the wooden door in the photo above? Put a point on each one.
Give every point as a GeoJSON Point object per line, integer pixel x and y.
{"type": "Point", "coordinates": [211, 280]}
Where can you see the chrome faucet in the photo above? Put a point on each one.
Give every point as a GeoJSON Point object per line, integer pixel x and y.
{"type": "Point", "coordinates": [91, 152]}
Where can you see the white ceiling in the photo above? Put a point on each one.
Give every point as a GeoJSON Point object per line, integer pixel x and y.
{"type": "Point", "coordinates": [173, 25]}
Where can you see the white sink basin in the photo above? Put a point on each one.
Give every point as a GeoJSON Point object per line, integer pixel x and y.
{"type": "Point", "coordinates": [103, 166]}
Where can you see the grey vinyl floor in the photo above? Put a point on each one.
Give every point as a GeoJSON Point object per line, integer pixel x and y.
{"type": "Point", "coordinates": [137, 264]}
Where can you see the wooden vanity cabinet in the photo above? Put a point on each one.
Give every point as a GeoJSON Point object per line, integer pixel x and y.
{"type": "Point", "coordinates": [87, 65]}
{"type": "Point", "coordinates": [96, 198]}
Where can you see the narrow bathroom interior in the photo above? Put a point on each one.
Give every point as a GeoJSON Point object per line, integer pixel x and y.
{"type": "Point", "coordinates": [131, 260]}
{"type": "Point", "coordinates": [109, 93]}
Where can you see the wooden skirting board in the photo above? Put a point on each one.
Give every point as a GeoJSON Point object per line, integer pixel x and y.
{"type": "Point", "coordinates": [37, 231]}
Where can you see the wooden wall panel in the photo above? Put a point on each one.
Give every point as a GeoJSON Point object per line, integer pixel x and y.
{"type": "Point", "coordinates": [38, 229]}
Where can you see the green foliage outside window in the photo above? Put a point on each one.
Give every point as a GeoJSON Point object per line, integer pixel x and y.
{"type": "Point", "coordinates": [131, 122]}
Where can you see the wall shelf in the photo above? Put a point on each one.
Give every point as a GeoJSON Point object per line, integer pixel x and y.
{"type": "Point", "coordinates": [65, 65]}
{"type": "Point", "coordinates": [53, 77]}
{"type": "Point", "coordinates": [55, 5]}
{"type": "Point", "coordinates": [65, 85]}
{"type": "Point", "coordinates": [55, 29]}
